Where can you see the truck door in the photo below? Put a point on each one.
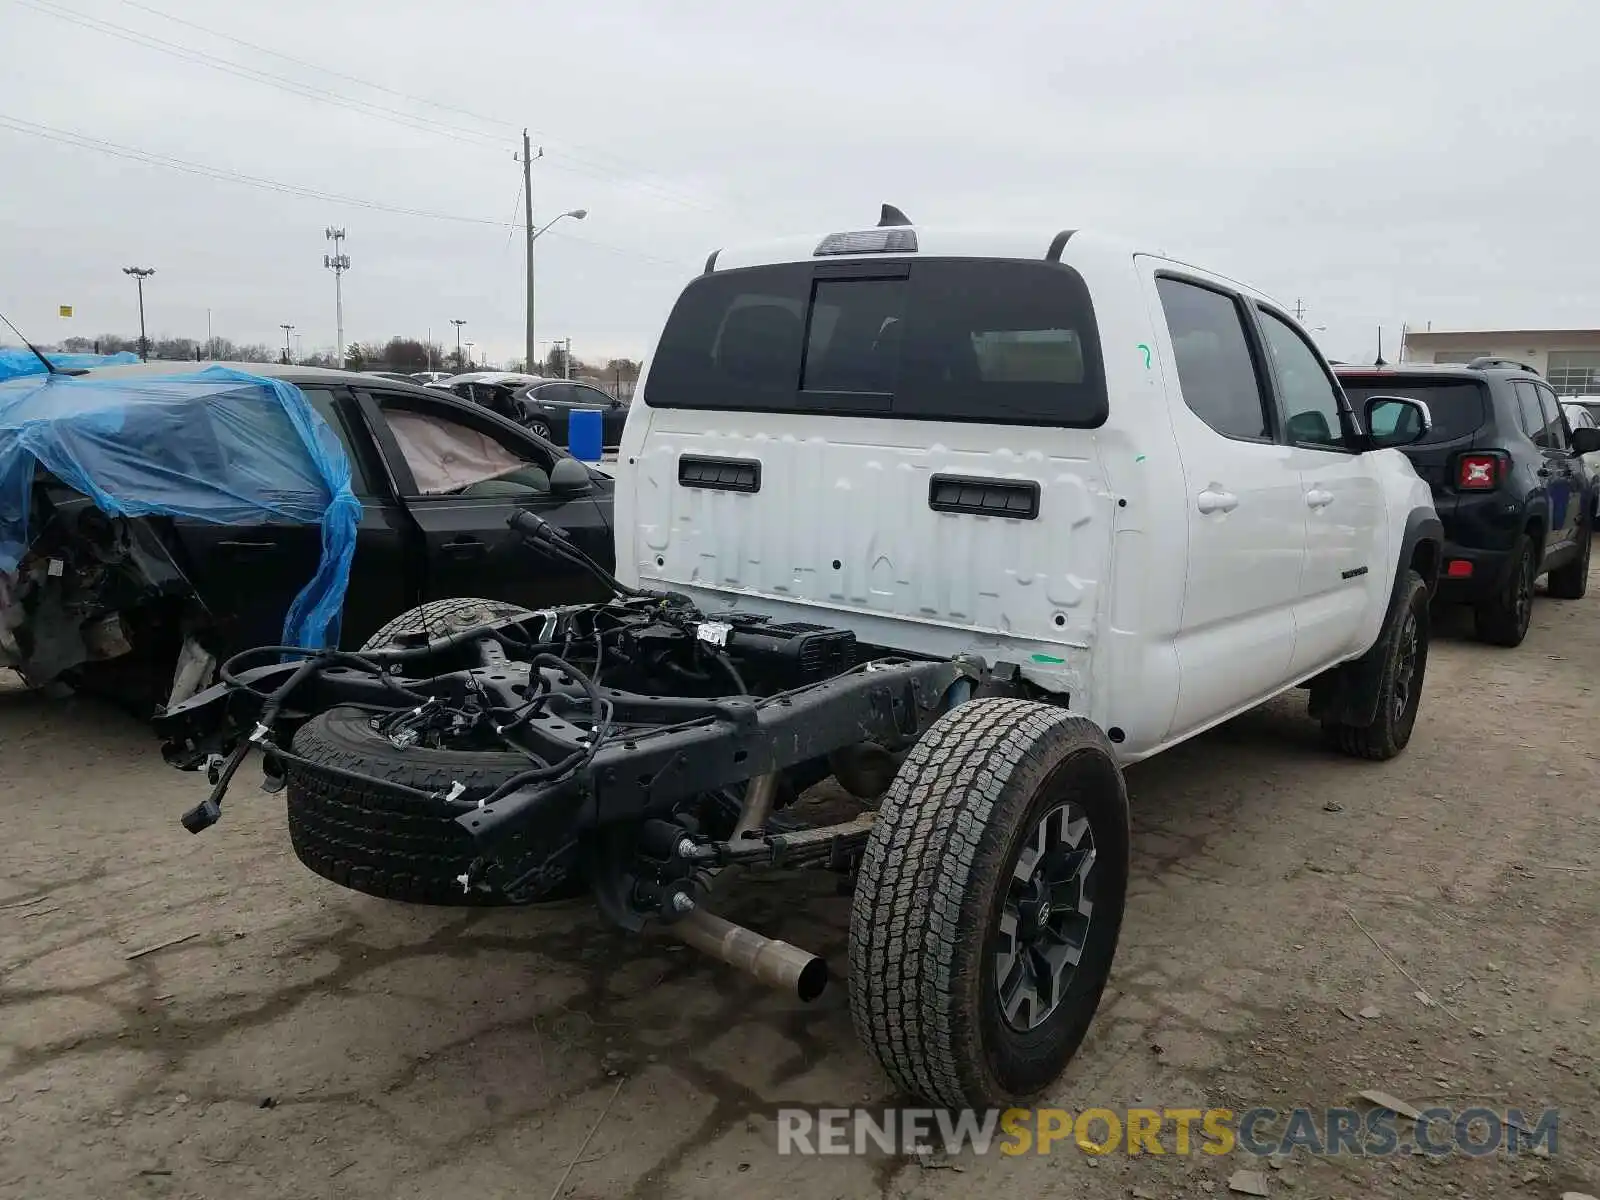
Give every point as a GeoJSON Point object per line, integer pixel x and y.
{"type": "Point", "coordinates": [1347, 549]}
{"type": "Point", "coordinates": [462, 472]}
{"type": "Point", "coordinates": [1246, 515]}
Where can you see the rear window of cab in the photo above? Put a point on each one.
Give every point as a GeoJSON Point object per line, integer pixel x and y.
{"type": "Point", "coordinates": [945, 339]}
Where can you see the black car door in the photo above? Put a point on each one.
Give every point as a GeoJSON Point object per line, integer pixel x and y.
{"type": "Point", "coordinates": [247, 576]}
{"type": "Point", "coordinates": [1566, 479]}
{"type": "Point", "coordinates": [462, 472]}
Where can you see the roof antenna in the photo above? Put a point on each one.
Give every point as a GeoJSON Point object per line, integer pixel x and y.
{"type": "Point", "coordinates": [892, 216]}
{"type": "Point", "coordinates": [50, 367]}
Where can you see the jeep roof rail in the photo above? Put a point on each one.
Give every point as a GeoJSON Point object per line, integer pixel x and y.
{"type": "Point", "coordinates": [1489, 363]}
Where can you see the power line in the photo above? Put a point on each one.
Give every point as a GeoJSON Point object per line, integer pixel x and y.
{"type": "Point", "coordinates": [308, 91]}
{"type": "Point", "coordinates": [228, 175]}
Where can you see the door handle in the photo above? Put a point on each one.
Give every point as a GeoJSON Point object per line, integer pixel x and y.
{"type": "Point", "coordinates": [1214, 500]}
{"type": "Point", "coordinates": [464, 548]}
{"type": "Point", "coordinates": [1319, 497]}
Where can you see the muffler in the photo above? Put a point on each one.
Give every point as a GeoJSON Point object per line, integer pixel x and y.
{"type": "Point", "coordinates": [773, 962]}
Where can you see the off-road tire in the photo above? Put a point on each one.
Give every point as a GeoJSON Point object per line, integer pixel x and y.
{"type": "Point", "coordinates": [1498, 619]}
{"type": "Point", "coordinates": [1391, 729]}
{"type": "Point", "coordinates": [1571, 582]}
{"type": "Point", "coordinates": [372, 838]}
{"type": "Point", "coordinates": [933, 878]}
{"type": "Point", "coordinates": [444, 616]}
{"type": "Point", "coordinates": [376, 840]}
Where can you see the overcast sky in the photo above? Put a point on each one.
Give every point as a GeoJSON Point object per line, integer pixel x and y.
{"type": "Point", "coordinates": [1383, 160]}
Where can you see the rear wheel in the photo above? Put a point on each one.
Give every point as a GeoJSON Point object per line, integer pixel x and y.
{"type": "Point", "coordinates": [989, 903]}
{"type": "Point", "coordinates": [1503, 618]}
{"type": "Point", "coordinates": [539, 429]}
{"type": "Point", "coordinates": [1404, 647]}
{"type": "Point", "coordinates": [1571, 582]}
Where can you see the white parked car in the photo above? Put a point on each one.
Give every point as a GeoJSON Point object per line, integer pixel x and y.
{"type": "Point", "coordinates": [1130, 486]}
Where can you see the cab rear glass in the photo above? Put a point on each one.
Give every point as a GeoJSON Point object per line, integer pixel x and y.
{"type": "Point", "coordinates": [1458, 407]}
{"type": "Point", "coordinates": [952, 339]}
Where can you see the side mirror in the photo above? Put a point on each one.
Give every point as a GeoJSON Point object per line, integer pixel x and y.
{"type": "Point", "coordinates": [1396, 421]}
{"type": "Point", "coordinates": [569, 477]}
{"type": "Point", "coordinates": [1585, 441]}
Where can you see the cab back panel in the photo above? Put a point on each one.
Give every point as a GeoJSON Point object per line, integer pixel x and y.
{"type": "Point", "coordinates": [843, 519]}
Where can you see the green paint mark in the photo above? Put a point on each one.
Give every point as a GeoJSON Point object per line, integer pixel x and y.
{"type": "Point", "coordinates": [1146, 349]}
{"type": "Point", "coordinates": [1140, 458]}
{"type": "Point", "coordinates": [1048, 658]}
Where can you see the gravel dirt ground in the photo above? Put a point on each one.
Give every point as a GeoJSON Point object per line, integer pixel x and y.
{"type": "Point", "coordinates": [294, 1039]}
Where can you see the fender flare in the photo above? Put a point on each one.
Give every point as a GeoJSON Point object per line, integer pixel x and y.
{"type": "Point", "coordinates": [1349, 694]}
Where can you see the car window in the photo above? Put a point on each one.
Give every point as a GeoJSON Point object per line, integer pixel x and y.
{"type": "Point", "coordinates": [554, 393]}
{"type": "Point", "coordinates": [1528, 410]}
{"type": "Point", "coordinates": [322, 400]}
{"type": "Point", "coordinates": [943, 339]}
{"type": "Point", "coordinates": [1216, 370]}
{"type": "Point", "coordinates": [1310, 398]}
{"type": "Point", "coordinates": [1554, 434]}
{"type": "Point", "coordinates": [582, 393]}
{"type": "Point", "coordinates": [448, 455]}
{"type": "Point", "coordinates": [1529, 417]}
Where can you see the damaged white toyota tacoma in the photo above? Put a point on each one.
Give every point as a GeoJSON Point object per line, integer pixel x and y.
{"type": "Point", "coordinates": [967, 521]}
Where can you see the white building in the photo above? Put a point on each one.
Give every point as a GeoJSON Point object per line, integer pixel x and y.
{"type": "Point", "coordinates": [1568, 358]}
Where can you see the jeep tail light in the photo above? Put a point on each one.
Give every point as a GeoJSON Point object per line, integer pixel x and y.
{"type": "Point", "coordinates": [1478, 472]}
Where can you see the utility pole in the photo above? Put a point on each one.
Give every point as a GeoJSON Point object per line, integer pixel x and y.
{"type": "Point", "coordinates": [337, 263]}
{"type": "Point", "coordinates": [1299, 310]}
{"type": "Point", "coordinates": [458, 325]}
{"type": "Point", "coordinates": [527, 158]}
{"type": "Point", "coordinates": [429, 345]}
{"type": "Point", "coordinates": [566, 360]}
{"type": "Point", "coordinates": [211, 342]}
{"type": "Point", "coordinates": [287, 330]}
{"type": "Point", "coordinates": [140, 274]}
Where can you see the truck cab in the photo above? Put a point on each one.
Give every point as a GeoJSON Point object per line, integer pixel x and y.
{"type": "Point", "coordinates": [1132, 482]}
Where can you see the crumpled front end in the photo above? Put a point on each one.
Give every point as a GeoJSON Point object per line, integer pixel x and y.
{"type": "Point", "coordinates": [87, 590]}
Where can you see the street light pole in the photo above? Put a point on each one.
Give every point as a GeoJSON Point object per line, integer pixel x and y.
{"type": "Point", "coordinates": [469, 356]}
{"type": "Point", "coordinates": [458, 324]}
{"type": "Point", "coordinates": [140, 274]}
{"type": "Point", "coordinates": [287, 330]}
{"type": "Point", "coordinates": [577, 214]}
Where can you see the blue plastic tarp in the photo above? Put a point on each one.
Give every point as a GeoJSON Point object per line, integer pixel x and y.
{"type": "Point", "coordinates": [14, 362]}
{"type": "Point", "coordinates": [216, 445]}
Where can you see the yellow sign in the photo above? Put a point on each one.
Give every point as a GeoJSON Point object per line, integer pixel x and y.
{"type": "Point", "coordinates": [66, 310]}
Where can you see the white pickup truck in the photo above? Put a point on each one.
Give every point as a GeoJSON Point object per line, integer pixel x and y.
{"type": "Point", "coordinates": [1130, 486]}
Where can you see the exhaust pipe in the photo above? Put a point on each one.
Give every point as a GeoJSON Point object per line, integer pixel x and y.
{"type": "Point", "coordinates": [773, 962]}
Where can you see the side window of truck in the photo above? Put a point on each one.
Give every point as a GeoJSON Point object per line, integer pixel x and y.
{"type": "Point", "coordinates": [1216, 371]}
{"type": "Point", "coordinates": [1316, 417]}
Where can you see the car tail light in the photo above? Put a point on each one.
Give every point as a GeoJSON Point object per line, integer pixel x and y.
{"type": "Point", "coordinates": [1478, 472]}
{"type": "Point", "coordinates": [1459, 568]}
